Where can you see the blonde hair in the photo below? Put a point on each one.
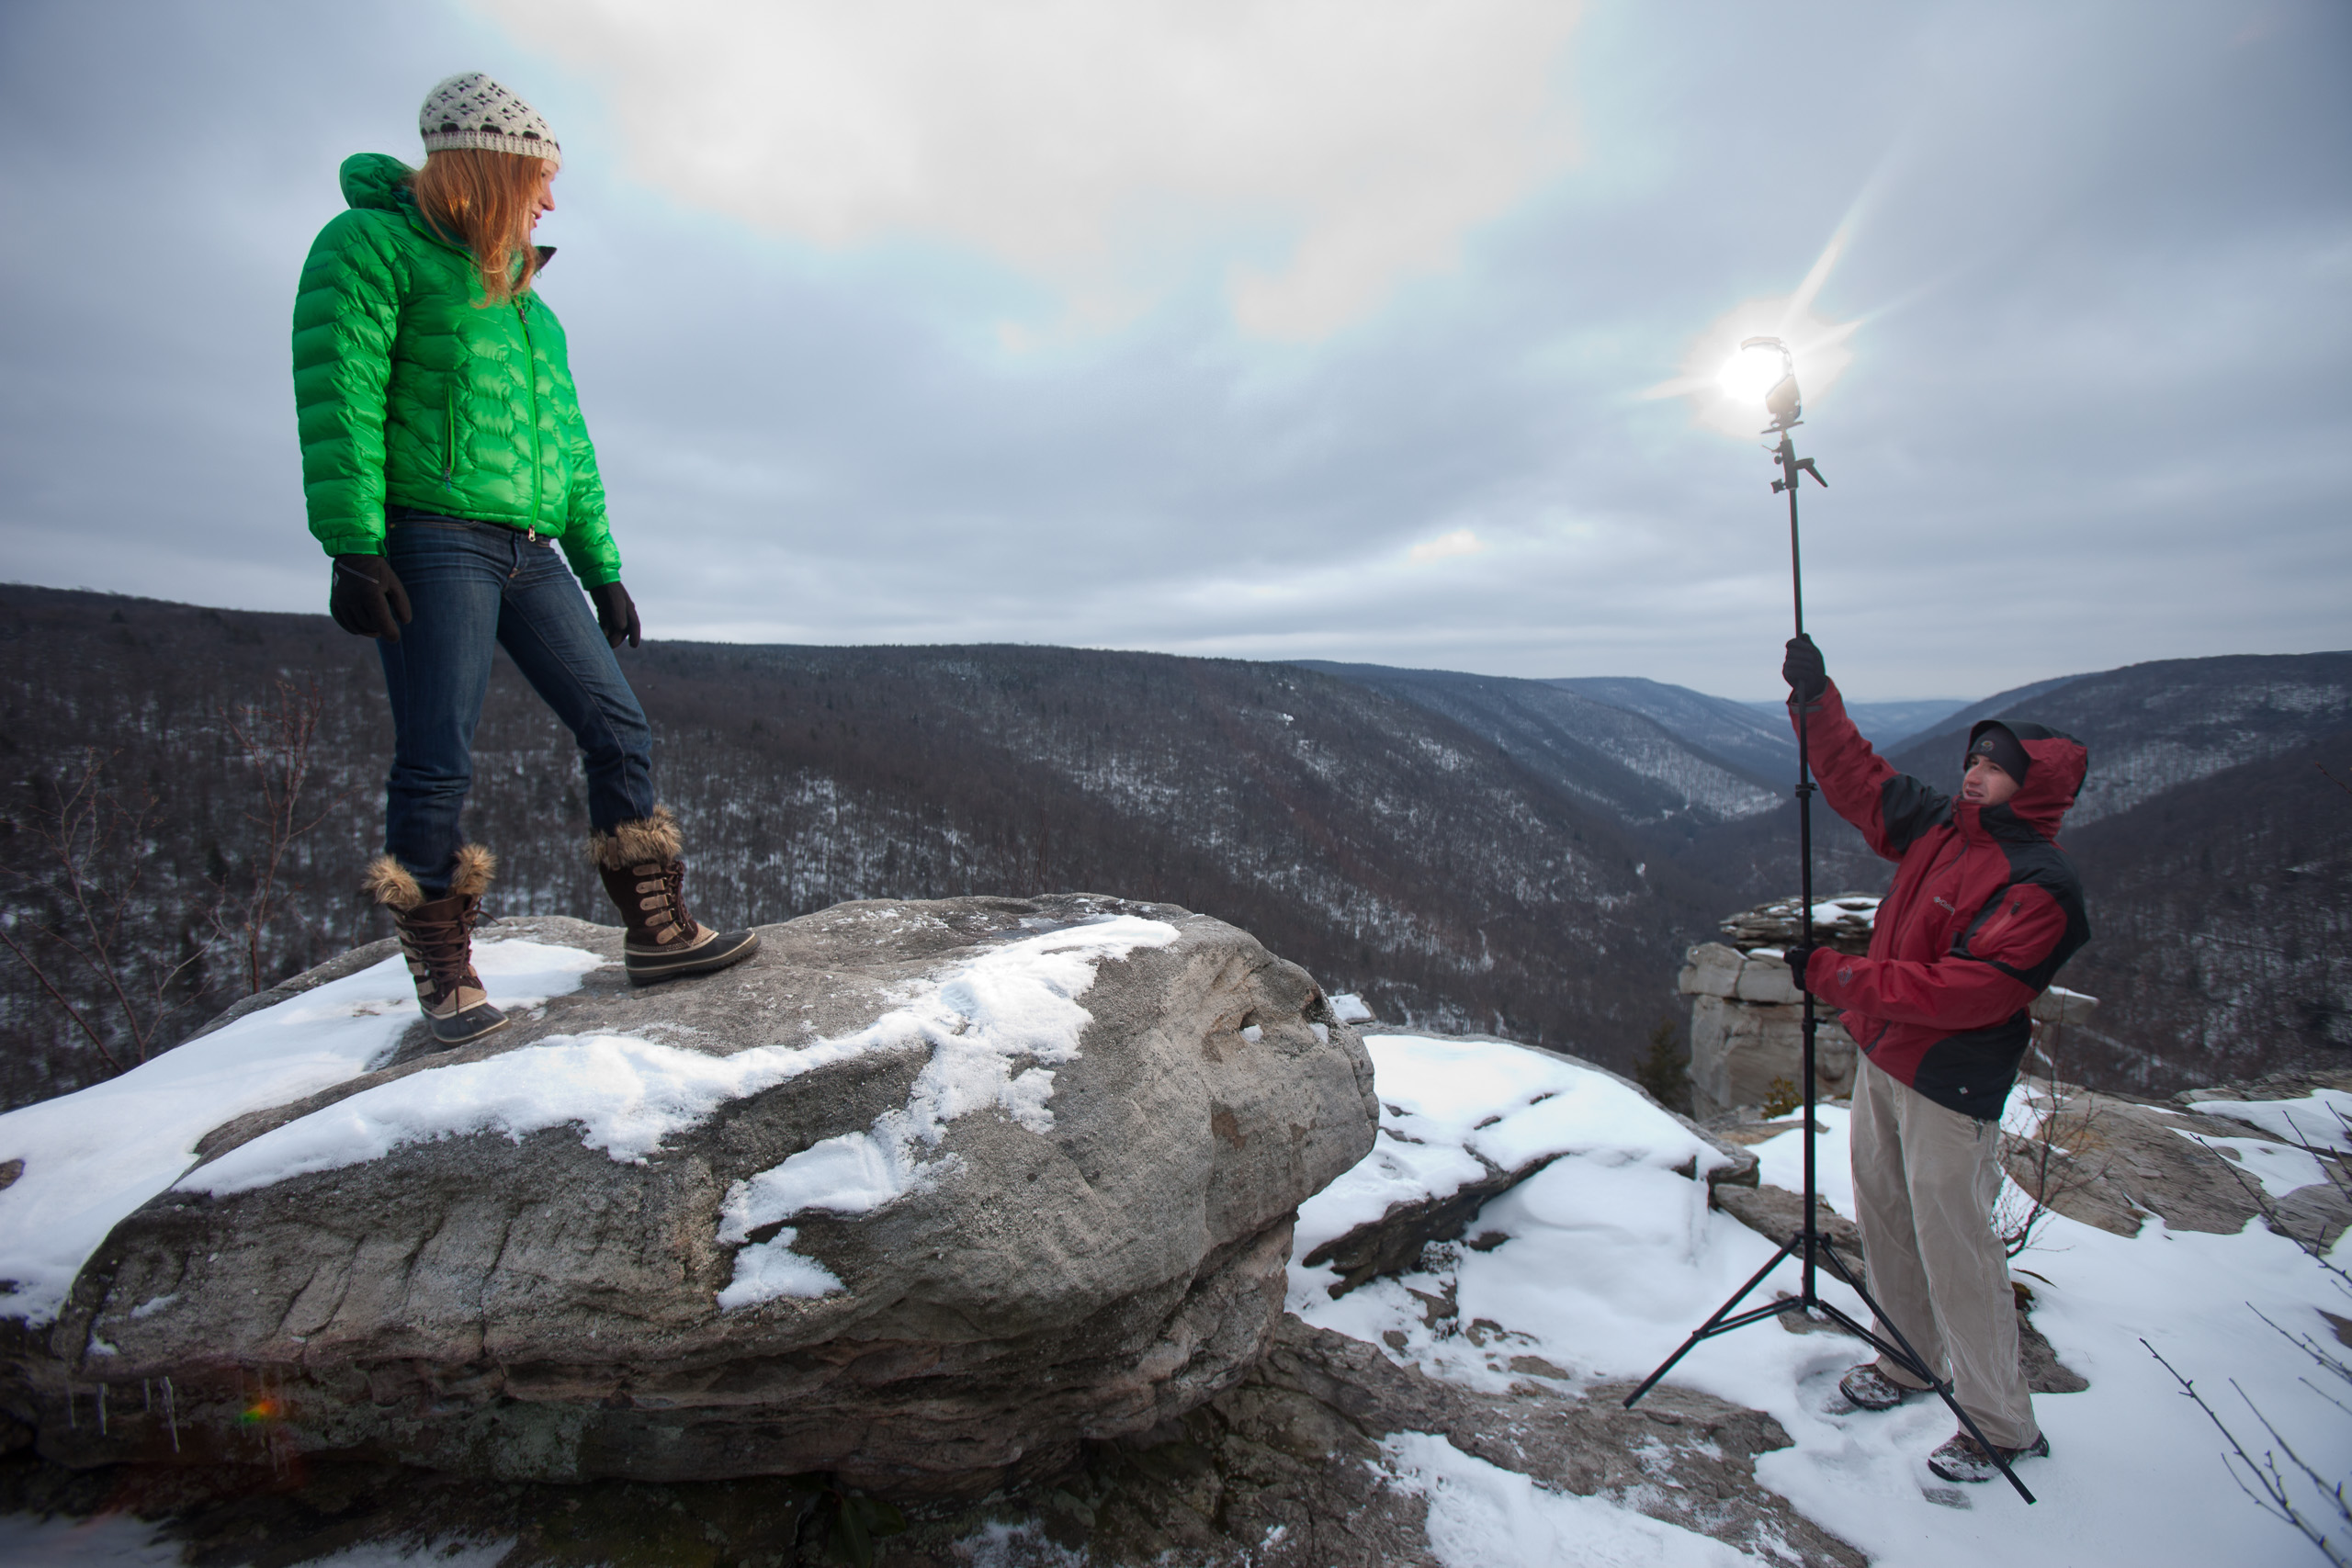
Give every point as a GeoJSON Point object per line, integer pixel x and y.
{"type": "Point", "coordinates": [484, 201]}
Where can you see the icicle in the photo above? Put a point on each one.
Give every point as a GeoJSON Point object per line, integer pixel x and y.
{"type": "Point", "coordinates": [147, 1393]}
{"type": "Point", "coordinates": [72, 1425]}
{"type": "Point", "coordinates": [171, 1417]}
{"type": "Point", "coordinates": [102, 1410]}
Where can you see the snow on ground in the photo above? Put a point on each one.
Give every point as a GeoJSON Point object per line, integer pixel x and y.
{"type": "Point", "coordinates": [994, 1024]}
{"type": "Point", "coordinates": [1613, 1259]}
{"type": "Point", "coordinates": [92, 1157]}
{"type": "Point", "coordinates": [1011, 1005]}
{"type": "Point", "coordinates": [2324, 1120]}
{"type": "Point", "coordinates": [1482, 1516]}
{"type": "Point", "coordinates": [1611, 1256]}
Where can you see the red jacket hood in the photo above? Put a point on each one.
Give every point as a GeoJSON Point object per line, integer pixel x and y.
{"type": "Point", "coordinates": [2060, 762]}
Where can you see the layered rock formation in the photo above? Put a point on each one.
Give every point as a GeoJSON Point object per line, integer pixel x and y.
{"type": "Point", "coordinates": [2210, 1161]}
{"type": "Point", "coordinates": [924, 1195]}
{"type": "Point", "coordinates": [1748, 1017]}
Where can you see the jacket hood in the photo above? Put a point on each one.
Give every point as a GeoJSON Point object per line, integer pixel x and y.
{"type": "Point", "coordinates": [380, 182]}
{"type": "Point", "coordinates": [2060, 763]}
{"type": "Point", "coordinates": [376, 180]}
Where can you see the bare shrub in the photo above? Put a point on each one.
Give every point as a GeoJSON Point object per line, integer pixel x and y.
{"type": "Point", "coordinates": [2060, 1158]}
{"type": "Point", "coordinates": [276, 741]}
{"type": "Point", "coordinates": [2280, 1482]}
{"type": "Point", "coordinates": [80, 923]}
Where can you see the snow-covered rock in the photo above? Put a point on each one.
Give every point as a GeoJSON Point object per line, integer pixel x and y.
{"type": "Point", "coordinates": [1590, 1273]}
{"type": "Point", "coordinates": [1467, 1119]}
{"type": "Point", "coordinates": [922, 1194]}
{"type": "Point", "coordinates": [2115, 1162]}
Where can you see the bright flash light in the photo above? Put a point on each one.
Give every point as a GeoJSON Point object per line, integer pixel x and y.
{"type": "Point", "coordinates": [1755, 370]}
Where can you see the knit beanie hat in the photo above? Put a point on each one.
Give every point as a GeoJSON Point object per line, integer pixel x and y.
{"type": "Point", "coordinates": [1994, 742]}
{"type": "Point", "coordinates": [470, 110]}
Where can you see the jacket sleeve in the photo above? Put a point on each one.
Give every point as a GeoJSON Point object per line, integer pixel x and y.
{"type": "Point", "coordinates": [1891, 809]}
{"type": "Point", "coordinates": [347, 313]}
{"type": "Point", "coordinates": [1971, 989]}
{"type": "Point", "coordinates": [587, 537]}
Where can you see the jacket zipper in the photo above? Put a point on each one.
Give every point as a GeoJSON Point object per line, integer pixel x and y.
{"type": "Point", "coordinates": [450, 441]}
{"type": "Point", "coordinates": [531, 377]}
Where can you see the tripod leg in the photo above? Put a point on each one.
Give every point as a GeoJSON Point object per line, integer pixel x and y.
{"type": "Point", "coordinates": [1715, 1324]}
{"type": "Point", "coordinates": [1902, 1355]}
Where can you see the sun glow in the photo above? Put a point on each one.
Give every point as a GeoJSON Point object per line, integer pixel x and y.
{"type": "Point", "coordinates": [1725, 383]}
{"type": "Point", "coordinates": [1751, 372]}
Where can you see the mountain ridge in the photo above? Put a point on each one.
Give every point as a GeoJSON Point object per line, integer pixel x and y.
{"type": "Point", "coordinates": [1454, 847]}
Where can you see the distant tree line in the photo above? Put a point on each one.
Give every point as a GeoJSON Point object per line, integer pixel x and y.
{"type": "Point", "coordinates": [223, 773]}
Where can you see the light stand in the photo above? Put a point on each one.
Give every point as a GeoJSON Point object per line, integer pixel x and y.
{"type": "Point", "coordinates": [1810, 1248]}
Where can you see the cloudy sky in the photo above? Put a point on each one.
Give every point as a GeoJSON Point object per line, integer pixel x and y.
{"type": "Point", "coordinates": [1339, 329]}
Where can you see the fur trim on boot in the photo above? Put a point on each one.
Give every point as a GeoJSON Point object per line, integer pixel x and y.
{"type": "Point", "coordinates": [389, 883]}
{"type": "Point", "coordinates": [649, 839]}
{"type": "Point", "coordinates": [475, 865]}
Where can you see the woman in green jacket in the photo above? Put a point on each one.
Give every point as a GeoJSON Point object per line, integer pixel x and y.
{"type": "Point", "coordinates": [444, 463]}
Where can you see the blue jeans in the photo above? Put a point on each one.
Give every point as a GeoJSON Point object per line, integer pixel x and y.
{"type": "Point", "coordinates": [470, 585]}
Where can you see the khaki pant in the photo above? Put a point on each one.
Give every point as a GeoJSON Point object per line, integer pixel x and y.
{"type": "Point", "coordinates": [1925, 1180]}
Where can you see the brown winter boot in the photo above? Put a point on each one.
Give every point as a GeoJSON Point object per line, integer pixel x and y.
{"type": "Point", "coordinates": [437, 937]}
{"type": "Point", "coordinates": [639, 864]}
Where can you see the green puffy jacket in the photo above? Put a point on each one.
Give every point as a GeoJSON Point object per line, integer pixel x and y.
{"type": "Point", "coordinates": [410, 392]}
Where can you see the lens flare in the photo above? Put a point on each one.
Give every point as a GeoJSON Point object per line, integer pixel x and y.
{"type": "Point", "coordinates": [1726, 379]}
{"type": "Point", "coordinates": [1753, 371]}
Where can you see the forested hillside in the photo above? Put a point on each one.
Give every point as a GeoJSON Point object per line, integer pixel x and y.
{"type": "Point", "coordinates": [1388, 849]}
{"type": "Point", "coordinates": [2214, 839]}
{"type": "Point", "coordinates": [1469, 853]}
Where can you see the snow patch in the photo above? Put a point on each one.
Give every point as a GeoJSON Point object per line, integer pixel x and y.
{"type": "Point", "coordinates": [2317, 1118]}
{"type": "Point", "coordinates": [2280, 1169]}
{"type": "Point", "coordinates": [1603, 1261]}
{"type": "Point", "coordinates": [1481, 1515]}
{"type": "Point", "coordinates": [1445, 1103]}
{"type": "Point", "coordinates": [626, 1094]}
{"type": "Point", "coordinates": [1013, 1004]}
{"type": "Point", "coordinates": [92, 1157]}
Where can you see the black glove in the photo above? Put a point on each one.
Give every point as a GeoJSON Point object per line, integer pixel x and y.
{"type": "Point", "coordinates": [367, 598]}
{"type": "Point", "coordinates": [1807, 676]}
{"type": "Point", "coordinates": [615, 614]}
{"type": "Point", "coordinates": [1799, 959]}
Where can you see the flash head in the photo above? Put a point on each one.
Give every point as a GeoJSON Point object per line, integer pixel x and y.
{"type": "Point", "coordinates": [1764, 371]}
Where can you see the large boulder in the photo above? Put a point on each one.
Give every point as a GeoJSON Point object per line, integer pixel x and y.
{"type": "Point", "coordinates": [923, 1195]}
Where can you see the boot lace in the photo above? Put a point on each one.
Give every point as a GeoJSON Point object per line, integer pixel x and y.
{"type": "Point", "coordinates": [444, 948]}
{"type": "Point", "coordinates": [674, 892]}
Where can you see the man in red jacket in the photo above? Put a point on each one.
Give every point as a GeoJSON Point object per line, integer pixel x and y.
{"type": "Point", "coordinates": [1984, 909]}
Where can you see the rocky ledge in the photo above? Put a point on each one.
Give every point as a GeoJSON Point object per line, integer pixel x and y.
{"type": "Point", "coordinates": [925, 1196]}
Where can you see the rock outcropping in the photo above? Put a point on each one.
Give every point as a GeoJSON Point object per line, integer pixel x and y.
{"type": "Point", "coordinates": [924, 1196]}
{"type": "Point", "coordinates": [1748, 1017]}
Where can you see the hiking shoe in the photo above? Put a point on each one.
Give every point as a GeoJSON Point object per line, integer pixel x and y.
{"type": "Point", "coordinates": [646, 881]}
{"type": "Point", "coordinates": [1962, 1459]}
{"type": "Point", "coordinates": [1867, 1388]}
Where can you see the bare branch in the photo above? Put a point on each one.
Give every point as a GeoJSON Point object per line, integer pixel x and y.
{"type": "Point", "coordinates": [2313, 1245]}
{"type": "Point", "coordinates": [50, 988]}
{"type": "Point", "coordinates": [2274, 1498]}
{"type": "Point", "coordinates": [2307, 1345]}
{"type": "Point", "coordinates": [97, 848]}
{"type": "Point", "coordinates": [2334, 1493]}
{"type": "Point", "coordinates": [277, 742]}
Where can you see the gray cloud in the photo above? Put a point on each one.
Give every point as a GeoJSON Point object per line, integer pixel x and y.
{"type": "Point", "coordinates": [2097, 412]}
